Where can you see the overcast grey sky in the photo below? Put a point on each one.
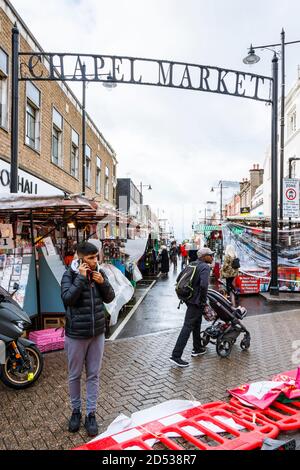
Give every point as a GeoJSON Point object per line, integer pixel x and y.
{"type": "Point", "coordinates": [181, 142]}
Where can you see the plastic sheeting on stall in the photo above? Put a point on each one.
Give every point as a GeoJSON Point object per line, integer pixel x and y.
{"type": "Point", "coordinates": [123, 291]}
{"type": "Point", "coordinates": [253, 245]}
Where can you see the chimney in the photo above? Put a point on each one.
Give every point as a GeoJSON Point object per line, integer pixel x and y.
{"type": "Point", "coordinates": [256, 178]}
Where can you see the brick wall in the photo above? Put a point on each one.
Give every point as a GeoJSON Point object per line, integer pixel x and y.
{"type": "Point", "coordinates": [52, 95]}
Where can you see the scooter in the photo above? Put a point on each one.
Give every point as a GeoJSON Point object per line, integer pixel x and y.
{"type": "Point", "coordinates": [21, 362]}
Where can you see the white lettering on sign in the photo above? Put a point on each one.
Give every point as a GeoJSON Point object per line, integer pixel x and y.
{"type": "Point", "coordinates": [27, 184]}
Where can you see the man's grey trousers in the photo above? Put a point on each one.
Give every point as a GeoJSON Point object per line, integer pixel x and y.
{"type": "Point", "coordinates": [88, 352]}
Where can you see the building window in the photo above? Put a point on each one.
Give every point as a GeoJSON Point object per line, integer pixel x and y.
{"type": "Point", "coordinates": [106, 188]}
{"type": "Point", "coordinates": [98, 176]}
{"type": "Point", "coordinates": [57, 131]}
{"type": "Point", "coordinates": [293, 169]}
{"type": "Point", "coordinates": [88, 154]}
{"type": "Point", "coordinates": [33, 105]}
{"type": "Point", "coordinates": [3, 89]}
{"type": "Point", "coordinates": [292, 122]}
{"type": "Point", "coordinates": [75, 154]}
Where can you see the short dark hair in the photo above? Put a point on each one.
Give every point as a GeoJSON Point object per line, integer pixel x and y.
{"type": "Point", "coordinates": [86, 248]}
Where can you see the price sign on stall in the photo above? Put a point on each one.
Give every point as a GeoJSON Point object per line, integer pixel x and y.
{"type": "Point", "coordinates": [290, 197]}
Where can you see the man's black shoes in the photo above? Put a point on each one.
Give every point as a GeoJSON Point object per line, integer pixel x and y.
{"type": "Point", "coordinates": [178, 362]}
{"type": "Point", "coordinates": [198, 352]}
{"type": "Point", "coordinates": [91, 425]}
{"type": "Point", "coordinates": [74, 422]}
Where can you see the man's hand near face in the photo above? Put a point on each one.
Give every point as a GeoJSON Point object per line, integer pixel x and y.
{"type": "Point", "coordinates": [97, 277]}
{"type": "Point", "coordinates": [83, 269]}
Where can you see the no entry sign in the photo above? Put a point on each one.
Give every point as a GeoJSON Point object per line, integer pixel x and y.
{"type": "Point", "coordinates": [290, 197]}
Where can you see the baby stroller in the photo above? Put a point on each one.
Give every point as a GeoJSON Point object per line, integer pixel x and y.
{"type": "Point", "coordinates": [226, 326]}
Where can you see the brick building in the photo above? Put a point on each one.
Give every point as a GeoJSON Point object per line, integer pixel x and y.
{"type": "Point", "coordinates": [248, 188]}
{"type": "Point", "coordinates": [233, 207]}
{"type": "Point", "coordinates": [50, 130]}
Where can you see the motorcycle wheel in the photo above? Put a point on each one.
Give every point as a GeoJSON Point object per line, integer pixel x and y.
{"type": "Point", "coordinates": [20, 380]}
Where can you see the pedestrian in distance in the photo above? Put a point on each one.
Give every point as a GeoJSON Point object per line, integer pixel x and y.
{"type": "Point", "coordinates": [184, 256]}
{"type": "Point", "coordinates": [173, 255]}
{"type": "Point", "coordinates": [195, 309]}
{"type": "Point", "coordinates": [230, 271]}
{"type": "Point", "coordinates": [84, 288]}
{"type": "Point", "coordinates": [164, 261]}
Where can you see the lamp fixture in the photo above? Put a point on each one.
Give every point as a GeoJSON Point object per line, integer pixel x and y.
{"type": "Point", "coordinates": [251, 58]}
{"type": "Point", "coordinates": [109, 84]}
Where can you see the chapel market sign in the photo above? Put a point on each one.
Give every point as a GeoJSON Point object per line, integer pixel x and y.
{"type": "Point", "coordinates": [96, 68]}
{"type": "Point", "coordinates": [60, 66]}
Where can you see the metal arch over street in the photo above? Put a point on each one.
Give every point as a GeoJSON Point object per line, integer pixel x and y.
{"type": "Point", "coordinates": [39, 66]}
{"type": "Point", "coordinates": [140, 71]}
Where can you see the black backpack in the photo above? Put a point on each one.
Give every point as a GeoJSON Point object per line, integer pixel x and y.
{"type": "Point", "coordinates": [184, 283]}
{"type": "Point", "coordinates": [235, 263]}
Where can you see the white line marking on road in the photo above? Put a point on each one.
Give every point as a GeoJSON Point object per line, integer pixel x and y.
{"type": "Point", "coordinates": [126, 320]}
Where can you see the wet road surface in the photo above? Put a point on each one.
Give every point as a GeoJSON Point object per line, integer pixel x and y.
{"type": "Point", "coordinates": [158, 311]}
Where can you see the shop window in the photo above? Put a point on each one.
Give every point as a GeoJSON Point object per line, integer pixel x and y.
{"type": "Point", "coordinates": [57, 131]}
{"type": "Point", "coordinates": [33, 105]}
{"type": "Point", "coordinates": [106, 190]}
{"type": "Point", "coordinates": [98, 176]}
{"type": "Point", "coordinates": [88, 154]}
{"type": "Point", "coordinates": [75, 154]}
{"type": "Point", "coordinates": [3, 89]}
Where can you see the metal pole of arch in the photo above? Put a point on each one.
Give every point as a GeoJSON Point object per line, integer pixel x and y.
{"type": "Point", "coordinates": [282, 111]}
{"type": "Point", "coordinates": [83, 127]}
{"type": "Point", "coordinates": [274, 289]}
{"type": "Point", "coordinates": [14, 110]}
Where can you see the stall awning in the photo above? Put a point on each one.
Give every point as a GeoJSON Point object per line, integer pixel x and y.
{"type": "Point", "coordinates": [60, 208]}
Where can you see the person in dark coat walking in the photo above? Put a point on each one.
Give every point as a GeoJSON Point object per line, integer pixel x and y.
{"type": "Point", "coordinates": [164, 260]}
{"type": "Point", "coordinates": [195, 308]}
{"type": "Point", "coordinates": [84, 288]}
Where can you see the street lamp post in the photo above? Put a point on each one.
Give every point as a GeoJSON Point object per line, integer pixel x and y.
{"type": "Point", "coordinates": [144, 186]}
{"type": "Point", "coordinates": [274, 289]}
{"type": "Point", "coordinates": [15, 111]}
{"type": "Point", "coordinates": [252, 58]}
{"type": "Point", "coordinates": [221, 186]}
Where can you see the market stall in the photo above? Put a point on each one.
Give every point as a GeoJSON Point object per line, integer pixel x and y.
{"type": "Point", "coordinates": [38, 239]}
{"type": "Point", "coordinates": [251, 238]}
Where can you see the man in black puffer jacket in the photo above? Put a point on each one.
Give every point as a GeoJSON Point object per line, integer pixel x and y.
{"type": "Point", "coordinates": [83, 290]}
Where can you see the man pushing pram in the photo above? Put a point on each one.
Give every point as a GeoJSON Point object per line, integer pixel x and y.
{"type": "Point", "coordinates": [192, 289]}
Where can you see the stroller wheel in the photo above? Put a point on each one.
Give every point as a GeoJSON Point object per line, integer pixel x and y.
{"type": "Point", "coordinates": [245, 344]}
{"type": "Point", "coordinates": [204, 338]}
{"type": "Point", "coordinates": [224, 348]}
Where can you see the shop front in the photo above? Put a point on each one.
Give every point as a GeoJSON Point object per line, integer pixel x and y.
{"type": "Point", "coordinates": [38, 237]}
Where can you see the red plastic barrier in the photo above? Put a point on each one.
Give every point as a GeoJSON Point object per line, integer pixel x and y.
{"type": "Point", "coordinates": [285, 416]}
{"type": "Point", "coordinates": [251, 437]}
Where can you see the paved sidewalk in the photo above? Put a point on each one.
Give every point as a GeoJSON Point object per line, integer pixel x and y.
{"type": "Point", "coordinates": [137, 374]}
